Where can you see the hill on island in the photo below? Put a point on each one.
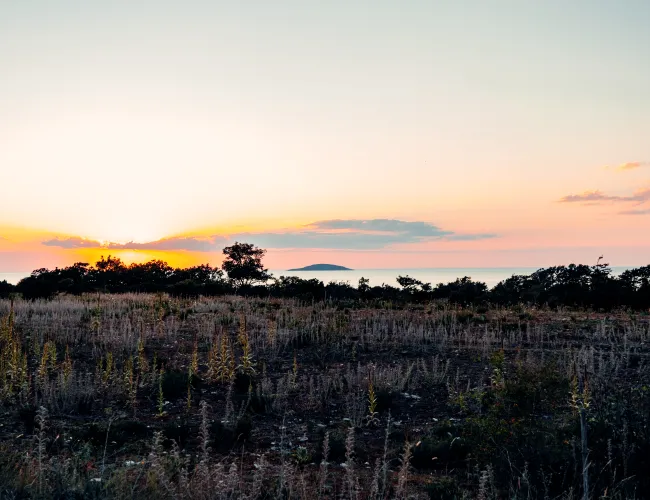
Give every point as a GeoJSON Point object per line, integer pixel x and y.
{"type": "Point", "coordinates": [321, 267]}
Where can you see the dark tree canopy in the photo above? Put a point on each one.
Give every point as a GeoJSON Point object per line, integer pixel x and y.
{"type": "Point", "coordinates": [243, 264]}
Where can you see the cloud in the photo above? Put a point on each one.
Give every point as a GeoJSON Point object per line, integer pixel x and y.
{"type": "Point", "coordinates": [382, 226]}
{"type": "Point", "coordinates": [192, 244]}
{"type": "Point", "coordinates": [632, 165]}
{"type": "Point", "coordinates": [74, 242]}
{"type": "Point", "coordinates": [587, 196]}
{"type": "Point", "coordinates": [358, 234]}
{"type": "Point", "coordinates": [642, 211]}
{"type": "Point", "coordinates": [593, 197]}
{"type": "Point", "coordinates": [473, 237]}
{"type": "Point", "coordinates": [340, 234]}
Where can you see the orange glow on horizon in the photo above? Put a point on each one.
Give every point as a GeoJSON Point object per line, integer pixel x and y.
{"type": "Point", "coordinates": [173, 258]}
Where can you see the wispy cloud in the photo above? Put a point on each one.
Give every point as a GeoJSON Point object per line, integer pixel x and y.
{"type": "Point", "coordinates": [191, 244]}
{"type": "Point", "coordinates": [593, 197]}
{"type": "Point", "coordinates": [355, 234]}
{"type": "Point", "coordinates": [641, 211]}
{"type": "Point", "coordinates": [587, 196]}
{"type": "Point", "coordinates": [407, 229]}
{"type": "Point", "coordinates": [473, 237]}
{"type": "Point", "coordinates": [630, 165]}
{"type": "Point", "coordinates": [73, 242]}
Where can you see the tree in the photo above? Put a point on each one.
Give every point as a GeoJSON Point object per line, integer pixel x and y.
{"type": "Point", "coordinates": [462, 291]}
{"type": "Point", "coordinates": [110, 274]}
{"type": "Point", "coordinates": [150, 276]}
{"type": "Point", "coordinates": [6, 289]}
{"type": "Point", "coordinates": [203, 274]}
{"type": "Point", "coordinates": [364, 285]}
{"type": "Point", "coordinates": [243, 264]}
{"type": "Point", "coordinates": [407, 283]}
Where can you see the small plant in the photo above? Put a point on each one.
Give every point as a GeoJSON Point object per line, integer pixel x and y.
{"type": "Point", "coordinates": [497, 360]}
{"type": "Point", "coordinates": [580, 402]}
{"type": "Point", "coordinates": [324, 465]}
{"type": "Point", "coordinates": [350, 472]}
{"type": "Point", "coordinates": [194, 364]}
{"type": "Point", "coordinates": [48, 360]}
{"type": "Point", "coordinates": [246, 365]}
{"type": "Point", "coordinates": [213, 363]}
{"type": "Point", "coordinates": [41, 441]}
{"type": "Point", "coordinates": [143, 364]}
{"type": "Point", "coordinates": [108, 369]}
{"type": "Point", "coordinates": [204, 435]}
{"type": "Point", "coordinates": [189, 388]}
{"type": "Point", "coordinates": [402, 476]}
{"type": "Point", "coordinates": [130, 383]}
{"type": "Point", "coordinates": [14, 376]}
{"type": "Point", "coordinates": [272, 332]}
{"type": "Point", "coordinates": [66, 366]}
{"type": "Point", "coordinates": [301, 455]}
{"type": "Point", "coordinates": [161, 398]}
{"type": "Point", "coordinates": [224, 369]}
{"type": "Point", "coordinates": [294, 370]}
{"type": "Point", "coordinates": [372, 404]}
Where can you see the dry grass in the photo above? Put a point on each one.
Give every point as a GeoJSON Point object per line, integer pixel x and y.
{"type": "Point", "coordinates": [138, 396]}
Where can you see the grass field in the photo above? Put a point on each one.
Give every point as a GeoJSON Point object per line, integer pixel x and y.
{"type": "Point", "coordinates": [147, 396]}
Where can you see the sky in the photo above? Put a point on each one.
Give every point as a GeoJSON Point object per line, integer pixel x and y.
{"type": "Point", "coordinates": [377, 134]}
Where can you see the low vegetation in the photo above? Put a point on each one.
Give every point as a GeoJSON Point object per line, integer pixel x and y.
{"type": "Point", "coordinates": [155, 396]}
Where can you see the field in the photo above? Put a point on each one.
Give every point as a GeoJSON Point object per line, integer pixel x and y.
{"type": "Point", "coordinates": [148, 396]}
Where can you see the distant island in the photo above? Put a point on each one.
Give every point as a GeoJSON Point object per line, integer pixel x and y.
{"type": "Point", "coordinates": [321, 267]}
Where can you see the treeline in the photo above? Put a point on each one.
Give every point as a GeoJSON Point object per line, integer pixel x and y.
{"type": "Point", "coordinates": [572, 286]}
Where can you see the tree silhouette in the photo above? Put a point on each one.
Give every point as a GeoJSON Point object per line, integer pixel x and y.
{"type": "Point", "coordinates": [243, 264]}
{"type": "Point", "coordinates": [110, 274]}
{"type": "Point", "coordinates": [407, 283]}
{"type": "Point", "coordinates": [6, 289]}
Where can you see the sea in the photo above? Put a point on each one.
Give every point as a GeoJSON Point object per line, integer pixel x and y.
{"type": "Point", "coordinates": [488, 275]}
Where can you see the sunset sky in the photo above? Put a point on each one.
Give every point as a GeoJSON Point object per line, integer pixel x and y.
{"type": "Point", "coordinates": [377, 134]}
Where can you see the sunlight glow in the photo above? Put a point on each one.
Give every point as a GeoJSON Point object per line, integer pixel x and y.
{"type": "Point", "coordinates": [208, 120]}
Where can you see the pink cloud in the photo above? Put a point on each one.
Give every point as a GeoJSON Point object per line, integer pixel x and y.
{"type": "Point", "coordinates": [593, 197]}
{"type": "Point", "coordinates": [642, 211]}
